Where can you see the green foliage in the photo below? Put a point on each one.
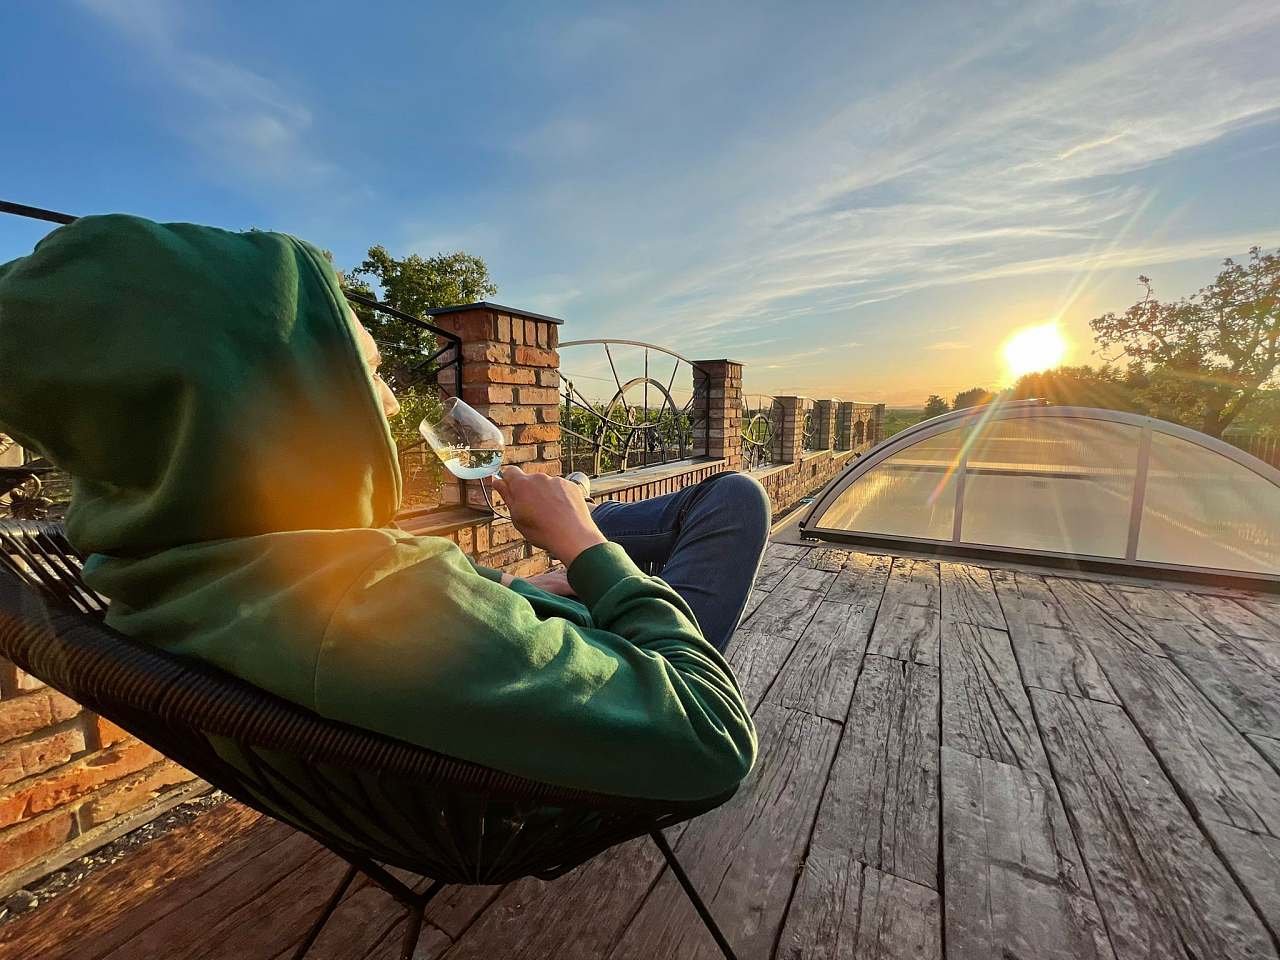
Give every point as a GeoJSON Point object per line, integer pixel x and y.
{"type": "Point", "coordinates": [897, 419]}
{"type": "Point", "coordinates": [935, 406]}
{"type": "Point", "coordinates": [1209, 356]}
{"type": "Point", "coordinates": [1107, 387]}
{"type": "Point", "coordinates": [414, 285]}
{"type": "Point", "coordinates": [973, 397]}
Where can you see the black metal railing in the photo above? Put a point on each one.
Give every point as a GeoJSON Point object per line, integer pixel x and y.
{"type": "Point", "coordinates": [623, 409]}
{"type": "Point", "coordinates": [761, 428]}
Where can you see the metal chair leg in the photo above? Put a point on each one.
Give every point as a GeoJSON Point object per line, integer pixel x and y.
{"type": "Point", "coordinates": [325, 914]}
{"type": "Point", "coordinates": [413, 926]}
{"type": "Point", "coordinates": [707, 920]}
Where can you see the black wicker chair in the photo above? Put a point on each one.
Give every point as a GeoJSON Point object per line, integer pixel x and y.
{"type": "Point", "coordinates": [373, 800]}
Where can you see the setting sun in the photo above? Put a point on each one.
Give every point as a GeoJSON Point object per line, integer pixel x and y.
{"type": "Point", "coordinates": [1033, 349]}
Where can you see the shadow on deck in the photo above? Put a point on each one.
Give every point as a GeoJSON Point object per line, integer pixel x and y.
{"type": "Point", "coordinates": [955, 761]}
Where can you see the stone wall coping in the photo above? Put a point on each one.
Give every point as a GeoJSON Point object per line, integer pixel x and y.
{"type": "Point", "coordinates": [494, 308]}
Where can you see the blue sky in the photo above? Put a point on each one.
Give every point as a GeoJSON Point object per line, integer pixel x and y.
{"type": "Point", "coordinates": [855, 199]}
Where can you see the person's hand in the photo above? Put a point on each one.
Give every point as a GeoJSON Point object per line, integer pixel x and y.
{"type": "Point", "coordinates": [553, 581]}
{"type": "Point", "coordinates": [550, 511]}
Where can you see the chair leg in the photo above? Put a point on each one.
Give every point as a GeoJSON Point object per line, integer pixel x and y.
{"type": "Point", "coordinates": [707, 920]}
{"type": "Point", "coordinates": [325, 914]}
{"type": "Point", "coordinates": [413, 925]}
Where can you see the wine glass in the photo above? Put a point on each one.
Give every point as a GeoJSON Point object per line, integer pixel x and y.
{"type": "Point", "coordinates": [469, 446]}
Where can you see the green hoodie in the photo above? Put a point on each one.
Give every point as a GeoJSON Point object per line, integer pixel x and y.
{"type": "Point", "coordinates": [234, 487]}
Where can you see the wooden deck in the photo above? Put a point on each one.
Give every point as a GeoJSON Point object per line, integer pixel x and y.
{"type": "Point", "coordinates": [955, 761]}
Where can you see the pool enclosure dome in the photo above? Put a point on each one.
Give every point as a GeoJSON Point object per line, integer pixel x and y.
{"type": "Point", "coordinates": [1068, 486]}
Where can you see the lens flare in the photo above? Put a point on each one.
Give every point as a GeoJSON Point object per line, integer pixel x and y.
{"type": "Point", "coordinates": [1033, 349]}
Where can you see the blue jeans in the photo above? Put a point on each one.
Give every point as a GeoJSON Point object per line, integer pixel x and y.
{"type": "Point", "coordinates": [706, 541]}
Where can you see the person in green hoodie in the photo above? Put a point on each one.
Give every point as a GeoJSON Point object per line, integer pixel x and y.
{"type": "Point", "coordinates": [234, 490]}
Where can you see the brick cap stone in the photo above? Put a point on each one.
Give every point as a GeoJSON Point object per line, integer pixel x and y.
{"type": "Point", "coordinates": [496, 308]}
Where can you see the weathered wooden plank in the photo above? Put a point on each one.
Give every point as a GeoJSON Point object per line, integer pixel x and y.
{"type": "Point", "coordinates": [968, 596]}
{"type": "Point", "coordinates": [1161, 888]}
{"type": "Point", "coordinates": [1255, 861]}
{"type": "Point", "coordinates": [913, 581]}
{"type": "Point", "coordinates": [1268, 610]}
{"type": "Point", "coordinates": [819, 675]}
{"type": "Point", "coordinates": [577, 917]}
{"type": "Point", "coordinates": [846, 910]}
{"type": "Point", "coordinates": [1026, 598]}
{"type": "Point", "coordinates": [1209, 760]}
{"type": "Point", "coordinates": [1184, 639]}
{"type": "Point", "coordinates": [1058, 660]}
{"type": "Point", "coordinates": [826, 558]}
{"type": "Point", "coordinates": [1226, 615]}
{"type": "Point", "coordinates": [272, 919]}
{"type": "Point", "coordinates": [985, 712]}
{"type": "Point", "coordinates": [756, 659]}
{"type": "Point", "coordinates": [1149, 602]}
{"type": "Point", "coordinates": [1247, 694]}
{"type": "Point", "coordinates": [756, 598]}
{"type": "Point", "coordinates": [743, 857]}
{"type": "Point", "coordinates": [881, 803]}
{"type": "Point", "coordinates": [1015, 884]}
{"type": "Point", "coordinates": [1268, 747]}
{"type": "Point", "coordinates": [784, 613]}
{"type": "Point", "coordinates": [802, 576]}
{"type": "Point", "coordinates": [907, 632]}
{"type": "Point", "coordinates": [863, 574]}
{"type": "Point", "coordinates": [173, 874]}
{"type": "Point", "coordinates": [778, 559]}
{"type": "Point", "coordinates": [1090, 611]}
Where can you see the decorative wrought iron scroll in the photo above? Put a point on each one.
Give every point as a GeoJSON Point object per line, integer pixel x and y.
{"type": "Point", "coordinates": [633, 420]}
{"type": "Point", "coordinates": [808, 425]}
{"type": "Point", "coordinates": [761, 423]}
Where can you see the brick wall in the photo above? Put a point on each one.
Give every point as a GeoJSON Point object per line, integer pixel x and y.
{"type": "Point", "coordinates": [789, 483]}
{"type": "Point", "coordinates": [69, 780]}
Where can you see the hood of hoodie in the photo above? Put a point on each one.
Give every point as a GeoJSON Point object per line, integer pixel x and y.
{"type": "Point", "coordinates": [197, 384]}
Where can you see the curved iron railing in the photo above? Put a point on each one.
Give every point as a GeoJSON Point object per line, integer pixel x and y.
{"type": "Point", "coordinates": [634, 419]}
{"type": "Point", "coordinates": [761, 425]}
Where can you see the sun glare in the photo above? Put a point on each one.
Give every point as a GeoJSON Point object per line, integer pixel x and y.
{"type": "Point", "coordinates": [1033, 349]}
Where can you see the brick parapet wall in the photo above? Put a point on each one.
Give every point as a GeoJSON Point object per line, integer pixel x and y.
{"type": "Point", "coordinates": [69, 779]}
{"type": "Point", "coordinates": [789, 483]}
{"type": "Point", "coordinates": [510, 374]}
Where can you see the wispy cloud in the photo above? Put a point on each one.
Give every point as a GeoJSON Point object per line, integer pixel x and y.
{"type": "Point", "coordinates": [243, 122]}
{"type": "Point", "coordinates": [1002, 160]}
{"type": "Point", "coordinates": [947, 345]}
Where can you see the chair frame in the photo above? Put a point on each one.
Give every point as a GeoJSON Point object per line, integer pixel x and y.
{"type": "Point", "coordinates": [51, 626]}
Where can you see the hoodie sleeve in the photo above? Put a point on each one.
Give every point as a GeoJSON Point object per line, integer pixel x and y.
{"type": "Point", "coordinates": [424, 648]}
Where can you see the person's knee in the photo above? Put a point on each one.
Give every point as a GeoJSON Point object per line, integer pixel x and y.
{"type": "Point", "coordinates": [747, 499]}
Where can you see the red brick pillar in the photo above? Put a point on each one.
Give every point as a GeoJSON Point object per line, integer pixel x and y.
{"type": "Point", "coordinates": [788, 438]}
{"type": "Point", "coordinates": [844, 426]}
{"type": "Point", "coordinates": [825, 411]}
{"type": "Point", "coordinates": [717, 389]}
{"type": "Point", "coordinates": [510, 374]}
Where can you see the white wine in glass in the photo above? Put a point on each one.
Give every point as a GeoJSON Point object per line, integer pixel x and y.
{"type": "Point", "coordinates": [469, 446]}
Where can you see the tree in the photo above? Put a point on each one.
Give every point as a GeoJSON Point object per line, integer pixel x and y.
{"type": "Point", "coordinates": [973, 397]}
{"type": "Point", "coordinates": [1209, 355]}
{"type": "Point", "coordinates": [935, 406]}
{"type": "Point", "coordinates": [1107, 387]}
{"type": "Point", "coordinates": [414, 285]}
